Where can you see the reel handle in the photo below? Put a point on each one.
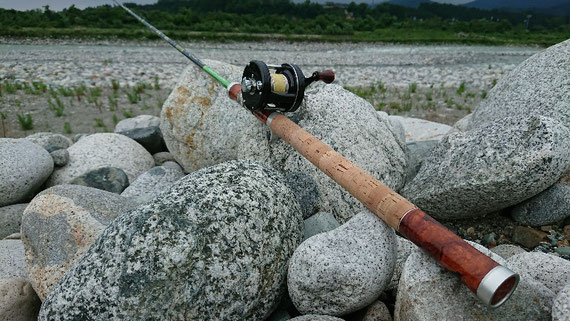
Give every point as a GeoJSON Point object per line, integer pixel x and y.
{"type": "Point", "coordinates": [327, 76]}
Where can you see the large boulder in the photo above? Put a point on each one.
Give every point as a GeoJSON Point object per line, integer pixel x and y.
{"type": "Point", "coordinates": [538, 86]}
{"type": "Point", "coordinates": [103, 150]}
{"type": "Point", "coordinates": [344, 270]}
{"type": "Point", "coordinates": [110, 179]}
{"type": "Point", "coordinates": [60, 224]}
{"type": "Point", "coordinates": [24, 167]}
{"type": "Point", "coordinates": [201, 125]}
{"type": "Point", "coordinates": [18, 301]}
{"type": "Point", "coordinates": [427, 291]}
{"type": "Point", "coordinates": [348, 124]}
{"type": "Point", "coordinates": [11, 219]}
{"type": "Point", "coordinates": [491, 167]}
{"type": "Point", "coordinates": [215, 247]}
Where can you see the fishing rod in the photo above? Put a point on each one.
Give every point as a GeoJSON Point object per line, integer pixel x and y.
{"type": "Point", "coordinates": [269, 90]}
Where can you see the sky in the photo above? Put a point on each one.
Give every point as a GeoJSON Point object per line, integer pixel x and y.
{"type": "Point", "coordinates": [61, 4]}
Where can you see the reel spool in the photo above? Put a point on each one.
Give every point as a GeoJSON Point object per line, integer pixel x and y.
{"type": "Point", "coordinates": [277, 87]}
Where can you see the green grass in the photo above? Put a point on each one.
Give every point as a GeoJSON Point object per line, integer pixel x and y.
{"type": "Point", "coordinates": [135, 95]}
{"type": "Point", "coordinates": [67, 128]}
{"type": "Point", "coordinates": [483, 94]}
{"type": "Point", "coordinates": [461, 88]}
{"type": "Point", "coordinates": [156, 84]}
{"type": "Point", "coordinates": [115, 84]}
{"type": "Point", "coordinates": [9, 87]}
{"type": "Point", "coordinates": [128, 113]}
{"type": "Point", "coordinates": [412, 87]}
{"type": "Point", "coordinates": [57, 108]}
{"type": "Point", "coordinates": [26, 122]}
{"type": "Point", "coordinates": [391, 35]}
{"type": "Point", "coordinates": [65, 92]}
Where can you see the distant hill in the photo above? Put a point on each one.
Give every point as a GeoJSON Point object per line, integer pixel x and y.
{"type": "Point", "coordinates": [409, 3]}
{"type": "Point", "coordinates": [558, 7]}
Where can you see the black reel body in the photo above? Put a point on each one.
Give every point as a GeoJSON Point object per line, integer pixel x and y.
{"type": "Point", "coordinates": [272, 87]}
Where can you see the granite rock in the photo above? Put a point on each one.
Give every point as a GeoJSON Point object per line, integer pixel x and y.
{"type": "Point", "coordinates": [319, 223]}
{"type": "Point", "coordinates": [173, 165]}
{"type": "Point", "coordinates": [162, 157]}
{"type": "Point", "coordinates": [110, 179]}
{"type": "Point", "coordinates": [24, 167]}
{"type": "Point", "coordinates": [215, 245]}
{"type": "Point", "coordinates": [416, 152]}
{"type": "Point", "coordinates": [141, 121]}
{"type": "Point", "coordinates": [550, 270]}
{"type": "Point", "coordinates": [538, 86]}
{"type": "Point", "coordinates": [18, 301]}
{"type": "Point", "coordinates": [462, 124]}
{"type": "Point", "coordinates": [507, 250]}
{"type": "Point", "coordinates": [343, 270]}
{"type": "Point", "coordinates": [149, 137]}
{"type": "Point", "coordinates": [348, 124]}
{"type": "Point", "coordinates": [377, 311]}
{"type": "Point", "coordinates": [420, 129]}
{"type": "Point", "coordinates": [492, 167]}
{"type": "Point", "coordinates": [50, 141]}
{"type": "Point", "coordinates": [12, 260]}
{"type": "Point", "coordinates": [561, 305]}
{"type": "Point", "coordinates": [60, 157]}
{"type": "Point", "coordinates": [316, 317]}
{"type": "Point", "coordinates": [11, 219]}
{"type": "Point", "coordinates": [429, 292]}
{"type": "Point", "coordinates": [200, 123]}
{"type": "Point", "coordinates": [60, 224]}
{"type": "Point", "coordinates": [151, 183]}
{"type": "Point", "coordinates": [103, 150]}
{"type": "Point", "coordinates": [405, 248]}
{"type": "Point", "coordinates": [549, 206]}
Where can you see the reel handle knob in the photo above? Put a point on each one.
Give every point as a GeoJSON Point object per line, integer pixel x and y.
{"type": "Point", "coordinates": [327, 76]}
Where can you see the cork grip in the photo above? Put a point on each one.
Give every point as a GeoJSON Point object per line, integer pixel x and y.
{"type": "Point", "coordinates": [377, 197]}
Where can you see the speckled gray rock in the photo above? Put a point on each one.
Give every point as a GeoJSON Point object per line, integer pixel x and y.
{"type": "Point", "coordinates": [12, 260]}
{"type": "Point", "coordinates": [110, 179]}
{"type": "Point", "coordinates": [538, 86]}
{"type": "Point", "coordinates": [397, 126]}
{"type": "Point", "coordinates": [141, 121]}
{"type": "Point", "coordinates": [60, 224]}
{"type": "Point", "coordinates": [60, 157]}
{"type": "Point", "coordinates": [215, 245]}
{"type": "Point", "coordinates": [18, 301]}
{"type": "Point", "coordinates": [491, 167]}
{"type": "Point", "coordinates": [162, 157]}
{"type": "Point", "coordinates": [24, 167]}
{"type": "Point", "coordinates": [550, 206]}
{"type": "Point", "coordinates": [507, 250]}
{"type": "Point", "coordinates": [316, 317]}
{"type": "Point", "coordinates": [200, 124]}
{"type": "Point", "coordinates": [50, 140]}
{"type": "Point", "coordinates": [420, 129]}
{"type": "Point", "coordinates": [151, 183]}
{"type": "Point", "coordinates": [561, 305]}
{"type": "Point", "coordinates": [173, 165]}
{"type": "Point", "coordinates": [550, 270]}
{"type": "Point", "coordinates": [103, 150]}
{"type": "Point", "coordinates": [343, 270]}
{"type": "Point", "coordinates": [319, 223]}
{"type": "Point", "coordinates": [10, 219]}
{"type": "Point", "coordinates": [405, 248]}
{"type": "Point", "coordinates": [429, 292]}
{"type": "Point", "coordinates": [348, 124]}
{"type": "Point", "coordinates": [377, 311]}
{"type": "Point", "coordinates": [416, 152]}
{"type": "Point", "coordinates": [462, 124]}
{"type": "Point", "coordinates": [149, 137]}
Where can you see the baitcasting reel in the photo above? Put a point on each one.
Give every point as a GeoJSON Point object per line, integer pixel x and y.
{"type": "Point", "coordinates": [277, 87]}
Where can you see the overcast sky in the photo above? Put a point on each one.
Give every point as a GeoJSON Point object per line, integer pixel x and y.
{"type": "Point", "coordinates": [61, 4]}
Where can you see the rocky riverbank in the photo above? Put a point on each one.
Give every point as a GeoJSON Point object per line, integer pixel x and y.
{"type": "Point", "coordinates": [200, 214]}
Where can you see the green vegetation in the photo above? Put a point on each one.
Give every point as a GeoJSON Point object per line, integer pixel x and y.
{"type": "Point", "coordinates": [461, 88]}
{"type": "Point", "coordinates": [26, 122]}
{"type": "Point", "coordinates": [412, 87]}
{"type": "Point", "coordinates": [57, 108]}
{"type": "Point", "coordinates": [2, 118]}
{"type": "Point", "coordinates": [67, 128]}
{"type": "Point", "coordinates": [255, 20]}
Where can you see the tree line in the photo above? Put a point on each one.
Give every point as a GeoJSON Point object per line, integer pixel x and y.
{"type": "Point", "coordinates": [286, 17]}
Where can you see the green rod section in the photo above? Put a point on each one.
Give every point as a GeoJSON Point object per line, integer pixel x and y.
{"type": "Point", "coordinates": [174, 44]}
